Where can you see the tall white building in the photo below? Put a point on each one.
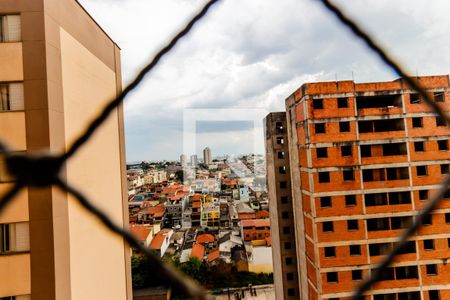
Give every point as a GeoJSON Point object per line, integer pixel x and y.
{"type": "Point", "coordinates": [194, 160]}
{"type": "Point", "coordinates": [183, 160]}
{"type": "Point", "coordinates": [207, 156]}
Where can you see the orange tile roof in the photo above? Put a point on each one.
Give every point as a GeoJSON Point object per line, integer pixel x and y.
{"type": "Point", "coordinates": [196, 204]}
{"type": "Point", "coordinates": [256, 223]}
{"type": "Point", "coordinates": [213, 255]}
{"type": "Point", "coordinates": [155, 210]}
{"type": "Point", "coordinates": [158, 239]}
{"type": "Point", "coordinates": [246, 216]}
{"type": "Point", "coordinates": [262, 214]}
{"type": "Point", "coordinates": [140, 232]}
{"type": "Point", "coordinates": [205, 238]}
{"type": "Point", "coordinates": [197, 197]}
{"type": "Point", "coordinates": [198, 250]}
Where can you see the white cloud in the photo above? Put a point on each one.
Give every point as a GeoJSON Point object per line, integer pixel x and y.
{"type": "Point", "coordinates": [255, 53]}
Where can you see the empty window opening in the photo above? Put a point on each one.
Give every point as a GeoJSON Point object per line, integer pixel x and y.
{"type": "Point", "coordinates": [419, 146]}
{"type": "Point", "coordinates": [317, 103]}
{"type": "Point", "coordinates": [332, 277]}
{"type": "Point", "coordinates": [439, 96]}
{"type": "Point", "coordinates": [397, 173]}
{"type": "Point", "coordinates": [330, 251]}
{"type": "Point", "coordinates": [352, 225]}
{"type": "Point", "coordinates": [434, 295]}
{"type": "Point", "coordinates": [283, 184]}
{"type": "Point", "coordinates": [408, 272]}
{"type": "Point", "coordinates": [394, 149]}
{"type": "Point", "coordinates": [381, 125]}
{"type": "Point", "coordinates": [366, 151]}
{"type": "Point", "coordinates": [408, 247]}
{"type": "Point", "coordinates": [290, 276]}
{"type": "Point", "coordinates": [346, 150]}
{"type": "Point", "coordinates": [281, 154]}
{"type": "Point", "coordinates": [344, 126]}
{"type": "Point", "coordinates": [287, 245]}
{"type": "Point", "coordinates": [279, 127]}
{"type": "Point", "coordinates": [427, 220]}
{"type": "Point", "coordinates": [444, 169]}
{"type": "Point", "coordinates": [414, 98]}
{"type": "Point", "coordinates": [428, 244]}
{"type": "Point", "coordinates": [388, 274]}
{"type": "Point", "coordinates": [447, 218]}
{"type": "Point", "coordinates": [291, 292]}
{"type": "Point", "coordinates": [285, 215]}
{"type": "Point", "coordinates": [431, 269]}
{"type": "Point", "coordinates": [378, 224]}
{"type": "Point", "coordinates": [399, 198]}
{"type": "Point", "coordinates": [324, 177]}
{"type": "Point", "coordinates": [284, 199]}
{"type": "Point", "coordinates": [400, 222]}
{"type": "Point", "coordinates": [376, 199]}
{"type": "Point", "coordinates": [380, 249]}
{"type": "Point", "coordinates": [417, 122]}
{"type": "Point", "coordinates": [288, 260]}
{"type": "Point", "coordinates": [409, 296]}
{"type": "Point", "coordinates": [325, 201]}
{"type": "Point", "coordinates": [322, 152]}
{"type": "Point", "coordinates": [355, 250]}
{"type": "Point", "coordinates": [440, 121]}
{"type": "Point", "coordinates": [286, 230]}
{"type": "Point", "coordinates": [348, 175]}
{"type": "Point", "coordinates": [319, 128]}
{"type": "Point", "coordinates": [350, 200]}
{"type": "Point", "coordinates": [385, 297]}
{"type": "Point", "coordinates": [421, 170]}
{"type": "Point", "coordinates": [356, 274]}
{"type": "Point", "coordinates": [423, 195]}
{"type": "Point", "coordinates": [443, 145]}
{"type": "Point", "coordinates": [342, 102]}
{"type": "Point", "coordinates": [282, 170]}
{"type": "Point", "coordinates": [280, 140]}
{"type": "Point", "coordinates": [327, 226]}
{"type": "Point", "coordinates": [379, 101]}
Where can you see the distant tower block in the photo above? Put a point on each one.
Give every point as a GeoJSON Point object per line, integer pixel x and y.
{"type": "Point", "coordinates": [207, 160]}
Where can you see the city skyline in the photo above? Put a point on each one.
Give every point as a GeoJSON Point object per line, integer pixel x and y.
{"type": "Point", "coordinates": [253, 57]}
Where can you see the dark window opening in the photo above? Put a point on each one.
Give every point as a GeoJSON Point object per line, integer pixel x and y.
{"type": "Point", "coordinates": [408, 272]}
{"type": "Point", "coordinates": [319, 128]}
{"type": "Point", "coordinates": [417, 122]}
{"type": "Point", "coordinates": [376, 199]}
{"type": "Point", "coordinates": [379, 101]}
{"type": "Point", "coordinates": [350, 200]}
{"type": "Point", "coordinates": [332, 277]}
{"type": "Point", "coordinates": [434, 295]}
{"type": "Point", "coordinates": [327, 226]}
{"type": "Point", "coordinates": [288, 260]}
{"type": "Point", "coordinates": [356, 274]}
{"type": "Point", "coordinates": [368, 175]}
{"type": "Point", "coordinates": [290, 276]}
{"type": "Point", "coordinates": [279, 127]}
{"type": "Point", "coordinates": [409, 296]}
{"type": "Point", "coordinates": [355, 250]}
{"type": "Point", "coordinates": [344, 126]}
{"type": "Point", "coordinates": [321, 152]}
{"type": "Point", "coordinates": [317, 103]}
{"type": "Point", "coordinates": [421, 170]}
{"type": "Point", "coordinates": [394, 149]}
{"type": "Point", "coordinates": [428, 244]}
{"type": "Point", "coordinates": [346, 150]}
{"type": "Point", "coordinates": [352, 225]}
{"type": "Point", "coordinates": [325, 201]}
{"type": "Point", "coordinates": [348, 175]}
{"type": "Point", "coordinates": [419, 146]}
{"type": "Point", "coordinates": [366, 151]}
{"type": "Point", "coordinates": [281, 155]}
{"type": "Point", "coordinates": [378, 224]}
{"type": "Point", "coordinates": [280, 140]}
{"type": "Point", "coordinates": [388, 274]}
{"type": "Point", "coordinates": [439, 96]}
{"type": "Point", "coordinates": [408, 247]}
{"type": "Point", "coordinates": [423, 194]}
{"type": "Point", "coordinates": [447, 218]}
{"type": "Point", "coordinates": [286, 230]}
{"type": "Point", "coordinates": [380, 249]}
{"type": "Point", "coordinates": [427, 220]}
{"type": "Point", "coordinates": [283, 184]}
{"type": "Point", "coordinates": [400, 222]}
{"type": "Point", "coordinates": [414, 98]}
{"type": "Point", "coordinates": [385, 297]}
{"type": "Point", "coordinates": [342, 102]}
{"type": "Point", "coordinates": [284, 199]}
{"type": "Point", "coordinates": [431, 269]}
{"type": "Point", "coordinates": [440, 121]}
{"type": "Point", "coordinates": [285, 215]}
{"type": "Point", "coordinates": [444, 169]}
{"type": "Point", "coordinates": [397, 173]}
{"type": "Point", "coordinates": [287, 245]}
{"type": "Point", "coordinates": [399, 198]}
{"type": "Point", "coordinates": [381, 125]}
{"type": "Point", "coordinates": [282, 170]}
{"type": "Point", "coordinates": [291, 292]}
{"type": "Point", "coordinates": [443, 145]}
{"type": "Point", "coordinates": [324, 177]}
{"type": "Point", "coordinates": [330, 251]}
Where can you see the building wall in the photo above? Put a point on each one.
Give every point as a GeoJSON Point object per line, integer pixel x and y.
{"type": "Point", "coordinates": [326, 187]}
{"type": "Point", "coordinates": [281, 210]}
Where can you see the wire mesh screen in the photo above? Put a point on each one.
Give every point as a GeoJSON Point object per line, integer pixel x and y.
{"type": "Point", "coordinates": [40, 170]}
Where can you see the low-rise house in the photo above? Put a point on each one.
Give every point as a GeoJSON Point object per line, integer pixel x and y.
{"type": "Point", "coordinates": [210, 215]}
{"type": "Point", "coordinates": [257, 229]}
{"type": "Point", "coordinates": [161, 241]}
{"type": "Point", "coordinates": [152, 214]}
{"type": "Point", "coordinates": [206, 239]}
{"type": "Point", "coordinates": [143, 233]}
{"type": "Point", "coordinates": [226, 243]}
{"type": "Point", "coordinates": [198, 251]}
{"type": "Point", "coordinates": [260, 256]}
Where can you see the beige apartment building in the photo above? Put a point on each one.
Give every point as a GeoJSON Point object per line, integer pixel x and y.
{"type": "Point", "coordinates": [57, 69]}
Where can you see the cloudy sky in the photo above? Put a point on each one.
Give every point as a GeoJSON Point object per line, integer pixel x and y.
{"type": "Point", "coordinates": [252, 54]}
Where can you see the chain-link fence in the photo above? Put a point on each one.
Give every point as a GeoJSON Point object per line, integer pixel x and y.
{"type": "Point", "coordinates": [40, 170]}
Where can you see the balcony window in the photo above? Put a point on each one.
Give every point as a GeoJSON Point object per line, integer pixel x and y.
{"type": "Point", "coordinates": [11, 96]}
{"type": "Point", "coordinates": [14, 237]}
{"type": "Point", "coordinates": [439, 96]}
{"type": "Point", "coordinates": [10, 28]}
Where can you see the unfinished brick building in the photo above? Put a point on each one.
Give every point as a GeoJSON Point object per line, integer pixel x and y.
{"type": "Point", "coordinates": [364, 157]}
